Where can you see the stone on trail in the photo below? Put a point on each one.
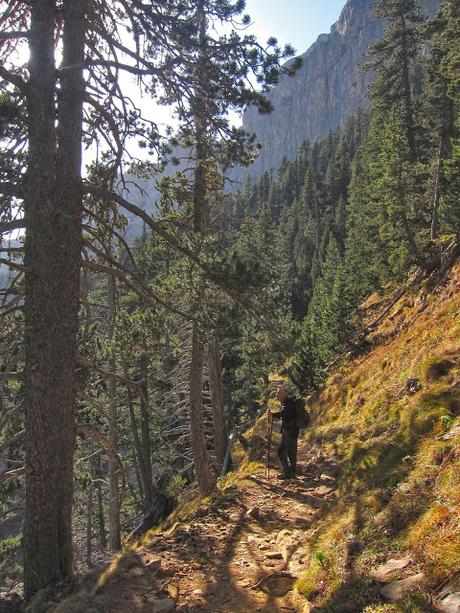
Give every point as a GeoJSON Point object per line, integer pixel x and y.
{"type": "Point", "coordinates": [166, 605]}
{"type": "Point", "coordinates": [384, 572]}
{"type": "Point", "coordinates": [453, 432]}
{"type": "Point", "coordinates": [172, 589]}
{"type": "Point", "coordinates": [274, 555]}
{"type": "Point", "coordinates": [450, 588]}
{"type": "Point", "coordinates": [321, 490]}
{"type": "Point", "coordinates": [253, 513]}
{"type": "Point", "coordinates": [396, 590]}
{"type": "Point", "coordinates": [277, 584]}
{"type": "Point", "coordinates": [448, 599]}
{"type": "Point", "coordinates": [282, 534]}
{"type": "Point", "coordinates": [450, 604]}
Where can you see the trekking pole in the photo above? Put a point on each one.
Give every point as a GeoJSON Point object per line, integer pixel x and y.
{"type": "Point", "coordinates": [269, 440]}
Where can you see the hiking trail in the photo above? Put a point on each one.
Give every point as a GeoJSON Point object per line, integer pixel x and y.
{"type": "Point", "coordinates": [242, 553]}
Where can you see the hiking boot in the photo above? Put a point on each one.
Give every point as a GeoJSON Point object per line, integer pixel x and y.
{"type": "Point", "coordinates": [282, 477]}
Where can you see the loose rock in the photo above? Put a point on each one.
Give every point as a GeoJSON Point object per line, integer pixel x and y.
{"type": "Point", "coordinates": [274, 555]}
{"type": "Point", "coordinates": [167, 605]}
{"type": "Point", "coordinates": [450, 604]}
{"type": "Point", "coordinates": [384, 572]}
{"type": "Point", "coordinates": [396, 590]}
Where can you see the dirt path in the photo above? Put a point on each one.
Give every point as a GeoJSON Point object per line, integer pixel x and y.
{"type": "Point", "coordinates": [241, 554]}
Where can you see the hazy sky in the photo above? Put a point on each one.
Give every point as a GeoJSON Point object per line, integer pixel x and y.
{"type": "Point", "coordinates": [298, 22]}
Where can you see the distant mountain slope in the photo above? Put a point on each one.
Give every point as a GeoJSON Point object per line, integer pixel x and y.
{"type": "Point", "coordinates": [329, 87]}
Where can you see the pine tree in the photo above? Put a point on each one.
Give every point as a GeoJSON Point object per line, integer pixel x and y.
{"type": "Point", "coordinates": [394, 109]}
{"type": "Point", "coordinates": [450, 69]}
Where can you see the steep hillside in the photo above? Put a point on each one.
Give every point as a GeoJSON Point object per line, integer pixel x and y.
{"type": "Point", "coordinates": [371, 524]}
{"type": "Point", "coordinates": [329, 87]}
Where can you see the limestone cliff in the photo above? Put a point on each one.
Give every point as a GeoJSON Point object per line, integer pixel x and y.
{"type": "Point", "coordinates": [329, 87]}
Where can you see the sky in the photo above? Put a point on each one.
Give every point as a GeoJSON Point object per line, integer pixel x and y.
{"type": "Point", "coordinates": [298, 22]}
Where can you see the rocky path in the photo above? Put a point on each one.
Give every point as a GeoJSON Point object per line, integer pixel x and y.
{"type": "Point", "coordinates": [241, 553]}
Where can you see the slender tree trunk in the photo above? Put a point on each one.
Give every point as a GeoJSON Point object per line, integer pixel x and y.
{"type": "Point", "coordinates": [52, 287]}
{"type": "Point", "coordinates": [114, 488]}
{"type": "Point", "coordinates": [145, 434]}
{"type": "Point", "coordinates": [413, 247]}
{"type": "Point", "coordinates": [136, 440]}
{"type": "Point", "coordinates": [204, 475]}
{"type": "Point", "coordinates": [140, 489]}
{"type": "Point", "coordinates": [437, 192]}
{"type": "Point", "coordinates": [407, 95]}
{"type": "Point", "coordinates": [100, 516]}
{"type": "Point", "coordinates": [144, 469]}
{"type": "Point", "coordinates": [217, 401]}
{"type": "Point", "coordinates": [97, 481]}
{"type": "Point", "coordinates": [89, 525]}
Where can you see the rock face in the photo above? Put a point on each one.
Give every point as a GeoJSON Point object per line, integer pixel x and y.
{"type": "Point", "coordinates": [329, 87]}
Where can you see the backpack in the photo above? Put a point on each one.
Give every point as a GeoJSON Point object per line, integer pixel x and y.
{"type": "Point", "coordinates": [303, 416]}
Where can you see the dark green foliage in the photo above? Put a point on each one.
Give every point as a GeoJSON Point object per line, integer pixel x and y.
{"type": "Point", "coordinates": [450, 69]}
{"type": "Point", "coordinates": [355, 211]}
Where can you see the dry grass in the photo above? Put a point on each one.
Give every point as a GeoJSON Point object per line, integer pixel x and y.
{"type": "Point", "coordinates": [384, 414]}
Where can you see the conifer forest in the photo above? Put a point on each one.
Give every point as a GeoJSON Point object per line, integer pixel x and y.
{"type": "Point", "coordinates": [138, 368]}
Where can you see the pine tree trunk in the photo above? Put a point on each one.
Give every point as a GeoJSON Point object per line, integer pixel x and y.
{"type": "Point", "coordinates": [52, 287]}
{"type": "Point", "coordinates": [411, 241]}
{"type": "Point", "coordinates": [137, 443]}
{"type": "Point", "coordinates": [89, 525]}
{"type": "Point", "coordinates": [145, 470]}
{"type": "Point", "coordinates": [407, 95]}
{"type": "Point", "coordinates": [114, 489]}
{"type": "Point", "coordinates": [437, 192]}
{"type": "Point", "coordinates": [217, 401]}
{"type": "Point", "coordinates": [145, 434]}
{"type": "Point", "coordinates": [100, 515]}
{"type": "Point", "coordinates": [204, 475]}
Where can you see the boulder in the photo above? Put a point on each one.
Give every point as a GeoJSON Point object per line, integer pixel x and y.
{"type": "Point", "coordinates": [383, 573]}
{"type": "Point", "coordinates": [396, 590]}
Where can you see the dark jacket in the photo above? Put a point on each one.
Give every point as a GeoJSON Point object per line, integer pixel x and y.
{"type": "Point", "coordinates": [287, 414]}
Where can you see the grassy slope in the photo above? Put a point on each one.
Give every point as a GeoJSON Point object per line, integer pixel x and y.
{"type": "Point", "coordinates": [400, 481]}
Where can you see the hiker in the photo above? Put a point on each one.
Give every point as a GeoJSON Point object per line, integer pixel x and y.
{"type": "Point", "coordinates": [287, 450]}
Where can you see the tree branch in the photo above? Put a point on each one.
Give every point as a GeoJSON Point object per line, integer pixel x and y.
{"type": "Point", "coordinates": [12, 35]}
{"type": "Point", "coordinates": [7, 475]}
{"type": "Point", "coordinates": [140, 290]}
{"type": "Point", "coordinates": [16, 439]}
{"type": "Point", "coordinates": [14, 79]}
{"type": "Point", "coordinates": [10, 226]}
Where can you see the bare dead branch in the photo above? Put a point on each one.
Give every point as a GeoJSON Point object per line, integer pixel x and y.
{"type": "Point", "coordinates": [11, 376]}
{"type": "Point", "coordinates": [7, 475]}
{"type": "Point", "coordinates": [9, 414]}
{"type": "Point", "coordinates": [106, 444]}
{"type": "Point", "coordinates": [145, 294]}
{"type": "Point", "coordinates": [16, 439]}
{"type": "Point", "coordinates": [105, 373]}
